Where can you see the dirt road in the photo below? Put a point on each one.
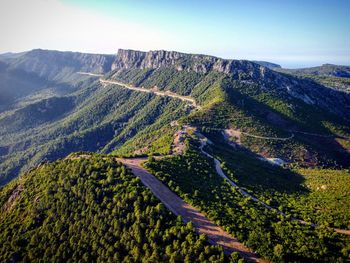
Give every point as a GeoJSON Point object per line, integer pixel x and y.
{"type": "Point", "coordinates": [220, 172]}
{"type": "Point", "coordinates": [189, 99]}
{"type": "Point", "coordinates": [159, 93]}
{"type": "Point", "coordinates": [174, 203]}
{"type": "Point", "coordinates": [90, 74]}
{"type": "Point", "coordinates": [145, 176]}
{"type": "Point", "coordinates": [228, 133]}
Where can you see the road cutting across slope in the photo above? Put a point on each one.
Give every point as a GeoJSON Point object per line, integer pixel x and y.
{"type": "Point", "coordinates": [225, 132]}
{"type": "Point", "coordinates": [215, 234]}
{"type": "Point", "coordinates": [220, 172]}
{"type": "Point", "coordinates": [156, 92]}
{"type": "Point", "coordinates": [167, 93]}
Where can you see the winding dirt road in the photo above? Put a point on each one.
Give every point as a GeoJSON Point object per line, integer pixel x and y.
{"type": "Point", "coordinates": [156, 92]}
{"type": "Point", "coordinates": [219, 171]}
{"type": "Point", "coordinates": [159, 189]}
{"type": "Point", "coordinates": [227, 133]}
{"type": "Point", "coordinates": [215, 234]}
{"type": "Point", "coordinates": [105, 82]}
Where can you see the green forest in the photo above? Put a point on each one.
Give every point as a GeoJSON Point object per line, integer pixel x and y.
{"type": "Point", "coordinates": [272, 235]}
{"type": "Point", "coordinates": [93, 210]}
{"type": "Point", "coordinates": [313, 194]}
{"type": "Point", "coordinates": [89, 207]}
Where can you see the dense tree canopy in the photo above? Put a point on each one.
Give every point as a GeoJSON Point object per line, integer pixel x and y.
{"type": "Point", "coordinates": [273, 236]}
{"type": "Point", "coordinates": [92, 209]}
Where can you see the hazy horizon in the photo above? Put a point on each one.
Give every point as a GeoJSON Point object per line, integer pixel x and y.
{"type": "Point", "coordinates": [293, 34]}
{"type": "Point", "coordinates": [291, 67]}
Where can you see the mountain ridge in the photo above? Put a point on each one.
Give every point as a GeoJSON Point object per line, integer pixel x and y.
{"type": "Point", "coordinates": [242, 70]}
{"type": "Point", "coordinates": [200, 113]}
{"type": "Point", "coordinates": [93, 109]}
{"type": "Point", "coordinates": [328, 70]}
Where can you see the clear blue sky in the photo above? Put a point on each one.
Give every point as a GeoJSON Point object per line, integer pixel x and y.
{"type": "Point", "coordinates": [293, 33]}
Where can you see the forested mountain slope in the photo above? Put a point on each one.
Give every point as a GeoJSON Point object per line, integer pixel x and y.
{"type": "Point", "coordinates": [272, 133]}
{"type": "Point", "coordinates": [45, 73]}
{"type": "Point", "coordinates": [86, 120]}
{"type": "Point", "coordinates": [79, 113]}
{"type": "Point", "coordinates": [274, 236]}
{"type": "Point", "coordinates": [247, 97]}
{"type": "Point", "coordinates": [92, 210]}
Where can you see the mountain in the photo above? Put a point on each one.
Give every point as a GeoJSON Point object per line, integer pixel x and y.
{"type": "Point", "coordinates": [10, 55]}
{"type": "Point", "coordinates": [59, 66]}
{"type": "Point", "coordinates": [241, 70]}
{"type": "Point", "coordinates": [263, 154]}
{"type": "Point", "coordinates": [50, 72]}
{"type": "Point", "coordinates": [328, 70]}
{"type": "Point", "coordinates": [270, 103]}
{"type": "Point", "coordinates": [267, 64]}
{"type": "Point", "coordinates": [95, 117]}
{"type": "Point", "coordinates": [332, 76]}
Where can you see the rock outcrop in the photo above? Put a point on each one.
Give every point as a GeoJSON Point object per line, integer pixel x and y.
{"type": "Point", "coordinates": [127, 59]}
{"type": "Point", "coordinates": [242, 70]}
{"type": "Point", "coordinates": [62, 66]}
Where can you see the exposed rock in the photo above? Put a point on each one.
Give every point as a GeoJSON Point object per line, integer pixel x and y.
{"type": "Point", "coordinates": [274, 161]}
{"type": "Point", "coordinates": [241, 69]}
{"type": "Point", "coordinates": [15, 194]}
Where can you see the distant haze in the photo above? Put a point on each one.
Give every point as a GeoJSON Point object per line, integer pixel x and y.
{"type": "Point", "coordinates": [290, 33]}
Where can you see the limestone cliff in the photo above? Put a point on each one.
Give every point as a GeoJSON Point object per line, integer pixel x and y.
{"type": "Point", "coordinates": [190, 62]}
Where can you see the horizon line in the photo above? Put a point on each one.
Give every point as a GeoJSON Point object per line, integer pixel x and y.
{"type": "Point", "coordinates": [182, 52]}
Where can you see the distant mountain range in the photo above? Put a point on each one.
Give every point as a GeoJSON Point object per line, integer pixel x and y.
{"type": "Point", "coordinates": [326, 70]}
{"type": "Point", "coordinates": [267, 64]}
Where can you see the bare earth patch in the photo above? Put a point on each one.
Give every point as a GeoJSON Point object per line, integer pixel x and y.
{"type": "Point", "coordinates": [11, 201]}
{"type": "Point", "coordinates": [215, 234]}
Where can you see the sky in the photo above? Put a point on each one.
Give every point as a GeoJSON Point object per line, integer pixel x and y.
{"type": "Point", "coordinates": [293, 33]}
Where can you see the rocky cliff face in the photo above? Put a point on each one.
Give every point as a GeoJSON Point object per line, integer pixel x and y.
{"type": "Point", "coordinates": [199, 63]}
{"type": "Point", "coordinates": [55, 65]}
{"type": "Point", "coordinates": [62, 66]}
{"type": "Point", "coordinates": [152, 59]}
{"type": "Point", "coordinates": [242, 70]}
